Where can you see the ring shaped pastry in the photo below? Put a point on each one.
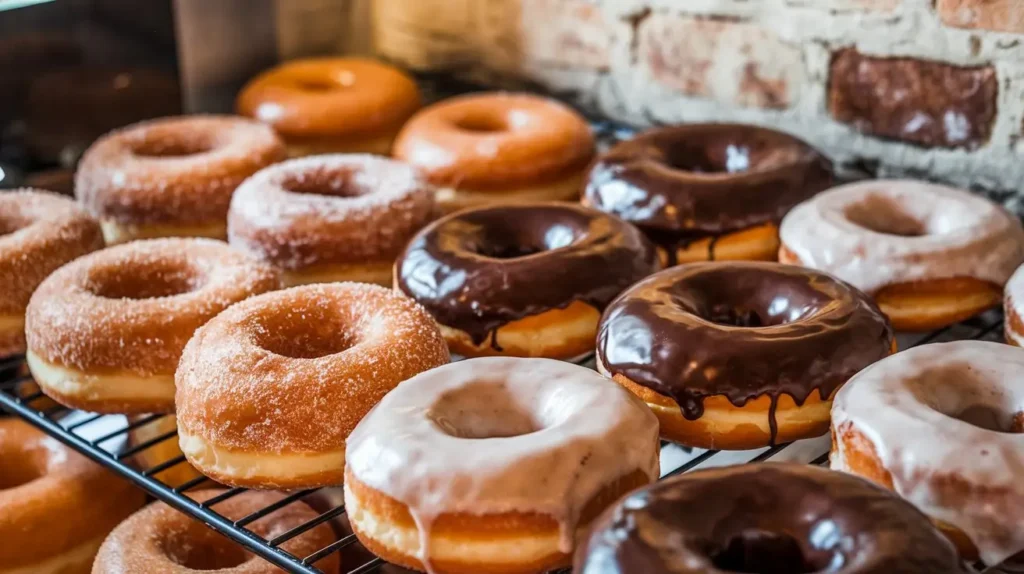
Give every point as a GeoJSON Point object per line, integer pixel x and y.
{"type": "Point", "coordinates": [707, 191]}
{"type": "Point", "coordinates": [494, 464]}
{"type": "Point", "coordinates": [773, 518]}
{"type": "Point", "coordinates": [105, 332]}
{"type": "Point", "coordinates": [930, 255]}
{"type": "Point", "coordinates": [523, 280]}
{"type": "Point", "coordinates": [739, 355]}
{"type": "Point", "coordinates": [941, 425]}
{"type": "Point", "coordinates": [172, 177]}
{"type": "Point", "coordinates": [56, 506]}
{"type": "Point", "coordinates": [269, 389]}
{"type": "Point", "coordinates": [330, 218]}
{"type": "Point", "coordinates": [481, 149]}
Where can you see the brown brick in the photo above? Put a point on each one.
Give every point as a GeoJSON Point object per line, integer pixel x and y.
{"type": "Point", "coordinates": [995, 15]}
{"type": "Point", "coordinates": [917, 101]}
{"type": "Point", "coordinates": [569, 33]}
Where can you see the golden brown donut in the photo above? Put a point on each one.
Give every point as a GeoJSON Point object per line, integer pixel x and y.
{"type": "Point", "coordinates": [106, 331]}
{"type": "Point", "coordinates": [161, 452]}
{"type": "Point", "coordinates": [332, 105]}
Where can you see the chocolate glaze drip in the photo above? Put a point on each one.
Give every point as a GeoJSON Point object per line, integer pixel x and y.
{"type": "Point", "coordinates": [742, 330]}
{"type": "Point", "coordinates": [769, 519]}
{"type": "Point", "coordinates": [481, 269]}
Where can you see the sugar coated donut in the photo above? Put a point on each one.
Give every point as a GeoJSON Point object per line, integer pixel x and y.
{"type": "Point", "coordinates": [740, 355]}
{"type": "Point", "coordinates": [708, 191]}
{"type": "Point", "coordinates": [160, 539]}
{"type": "Point", "coordinates": [498, 148]}
{"type": "Point", "coordinates": [941, 425]}
{"type": "Point", "coordinates": [330, 218]}
{"type": "Point", "coordinates": [1013, 309]}
{"type": "Point", "coordinates": [39, 232]}
{"type": "Point", "coordinates": [172, 176]}
{"type": "Point", "coordinates": [773, 518]}
{"type": "Point", "coordinates": [105, 332]}
{"type": "Point", "coordinates": [523, 280]}
{"type": "Point", "coordinates": [494, 464]}
{"type": "Point", "coordinates": [56, 506]}
{"type": "Point", "coordinates": [269, 390]}
{"type": "Point", "coordinates": [332, 105]}
{"type": "Point", "coordinates": [930, 255]}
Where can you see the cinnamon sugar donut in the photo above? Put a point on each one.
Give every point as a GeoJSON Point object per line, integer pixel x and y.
{"type": "Point", "coordinates": [498, 147]}
{"type": "Point", "coordinates": [39, 232]}
{"type": "Point", "coordinates": [269, 389]}
{"type": "Point", "coordinates": [330, 218]}
{"type": "Point", "coordinates": [172, 177]}
{"type": "Point", "coordinates": [105, 332]}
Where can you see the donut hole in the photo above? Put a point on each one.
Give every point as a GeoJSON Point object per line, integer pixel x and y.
{"type": "Point", "coordinates": [329, 182]}
{"type": "Point", "coordinates": [197, 548]}
{"type": "Point", "coordinates": [505, 241]}
{"type": "Point", "coordinates": [172, 146]}
{"type": "Point", "coordinates": [9, 225]}
{"type": "Point", "coordinates": [485, 409]}
{"type": "Point", "coordinates": [304, 333]}
{"type": "Point", "coordinates": [155, 280]}
{"type": "Point", "coordinates": [18, 471]}
{"type": "Point", "coordinates": [883, 214]}
{"type": "Point", "coordinates": [736, 297]}
{"type": "Point", "coordinates": [731, 158]}
{"type": "Point", "coordinates": [766, 552]}
{"type": "Point", "coordinates": [482, 123]}
{"type": "Point", "coordinates": [962, 392]}
{"type": "Point", "coordinates": [992, 419]}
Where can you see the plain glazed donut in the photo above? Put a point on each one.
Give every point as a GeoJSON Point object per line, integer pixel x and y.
{"type": "Point", "coordinates": [930, 255]}
{"type": "Point", "coordinates": [1013, 309]}
{"type": "Point", "coordinates": [740, 355]}
{"type": "Point", "coordinates": [56, 506]}
{"type": "Point", "coordinates": [490, 148]}
{"type": "Point", "coordinates": [39, 232]}
{"type": "Point", "coordinates": [494, 465]}
{"type": "Point", "coordinates": [332, 105]}
{"type": "Point", "coordinates": [941, 425]}
{"type": "Point", "coordinates": [707, 191]}
{"type": "Point", "coordinates": [160, 539]}
{"type": "Point", "coordinates": [269, 390]}
{"type": "Point", "coordinates": [172, 177]}
{"type": "Point", "coordinates": [105, 332]}
{"type": "Point", "coordinates": [330, 218]}
{"type": "Point", "coordinates": [523, 280]}
{"type": "Point", "coordinates": [772, 518]}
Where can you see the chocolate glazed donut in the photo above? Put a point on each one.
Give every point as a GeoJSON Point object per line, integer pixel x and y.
{"type": "Point", "coordinates": [771, 518]}
{"type": "Point", "coordinates": [708, 191]}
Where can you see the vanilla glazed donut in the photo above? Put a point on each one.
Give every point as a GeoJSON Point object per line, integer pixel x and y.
{"type": "Point", "coordinates": [105, 332]}
{"type": "Point", "coordinates": [39, 232]}
{"type": "Point", "coordinates": [330, 218]}
{"type": "Point", "coordinates": [494, 464]}
{"type": "Point", "coordinates": [1013, 309]}
{"type": "Point", "coordinates": [941, 425]}
{"type": "Point", "coordinates": [481, 149]}
{"type": "Point", "coordinates": [160, 539]}
{"type": "Point", "coordinates": [172, 177]}
{"type": "Point", "coordinates": [740, 355]}
{"type": "Point", "coordinates": [269, 389]}
{"type": "Point", "coordinates": [56, 506]}
{"type": "Point", "coordinates": [525, 280]}
{"type": "Point", "coordinates": [930, 255]}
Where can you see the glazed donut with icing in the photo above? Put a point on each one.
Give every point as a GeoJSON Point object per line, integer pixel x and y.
{"type": "Point", "coordinates": [330, 218]}
{"type": "Point", "coordinates": [268, 390]}
{"type": "Point", "coordinates": [481, 149]}
{"type": "Point", "coordinates": [172, 177]}
{"type": "Point", "coordinates": [930, 255]}
{"type": "Point", "coordinates": [740, 355]}
{"type": "Point", "coordinates": [105, 332]}
{"type": "Point", "coordinates": [1013, 309]}
{"type": "Point", "coordinates": [941, 425]}
{"type": "Point", "coordinates": [494, 464]}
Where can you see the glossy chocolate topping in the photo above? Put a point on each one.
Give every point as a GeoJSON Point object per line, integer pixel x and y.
{"type": "Point", "coordinates": [768, 518]}
{"type": "Point", "coordinates": [480, 269]}
{"type": "Point", "coordinates": [742, 330]}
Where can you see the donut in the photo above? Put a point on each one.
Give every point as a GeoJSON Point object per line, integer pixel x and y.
{"type": "Point", "coordinates": [330, 218]}
{"type": "Point", "coordinates": [494, 464]}
{"type": "Point", "coordinates": [772, 518]}
{"type": "Point", "coordinates": [941, 425]}
{"type": "Point", "coordinates": [268, 390]}
{"type": "Point", "coordinates": [332, 105]}
{"type": "Point", "coordinates": [740, 355]}
{"type": "Point", "coordinates": [707, 191]}
{"type": "Point", "coordinates": [159, 538]}
{"type": "Point", "coordinates": [165, 450]}
{"type": "Point", "coordinates": [56, 506]}
{"type": "Point", "coordinates": [481, 149]}
{"type": "Point", "coordinates": [1013, 308]}
{"type": "Point", "coordinates": [39, 232]}
{"type": "Point", "coordinates": [522, 280]}
{"type": "Point", "coordinates": [172, 177]}
{"type": "Point", "coordinates": [930, 255]}
{"type": "Point", "coordinates": [105, 332]}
